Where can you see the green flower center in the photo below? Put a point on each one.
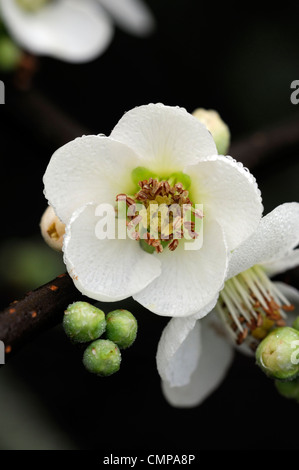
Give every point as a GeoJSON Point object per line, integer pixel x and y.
{"type": "Point", "coordinates": [160, 213]}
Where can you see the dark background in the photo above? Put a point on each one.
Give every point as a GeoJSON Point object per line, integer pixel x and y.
{"type": "Point", "coordinates": [240, 62]}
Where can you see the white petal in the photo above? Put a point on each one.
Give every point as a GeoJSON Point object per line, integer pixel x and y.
{"type": "Point", "coordinates": [105, 270]}
{"type": "Point", "coordinates": [229, 194]}
{"type": "Point", "coordinates": [276, 235]}
{"type": "Point", "coordinates": [131, 15]}
{"type": "Point", "coordinates": [179, 348]}
{"type": "Point", "coordinates": [189, 279]}
{"type": "Point", "coordinates": [215, 359]}
{"type": "Point", "coordinates": [292, 294]}
{"type": "Point", "coordinates": [88, 169]}
{"type": "Point", "coordinates": [166, 138]}
{"type": "Point", "coordinates": [71, 30]}
{"type": "Point", "coordinates": [289, 261]}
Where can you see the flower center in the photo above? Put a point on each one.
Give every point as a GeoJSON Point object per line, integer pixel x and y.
{"type": "Point", "coordinates": [160, 214]}
{"type": "Point", "coordinates": [32, 5]}
{"type": "Point", "coordinates": [251, 305]}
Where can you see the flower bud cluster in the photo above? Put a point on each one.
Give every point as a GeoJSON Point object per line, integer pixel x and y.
{"type": "Point", "coordinates": [85, 323]}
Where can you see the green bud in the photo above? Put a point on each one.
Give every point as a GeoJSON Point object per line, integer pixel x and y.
{"type": "Point", "coordinates": [32, 5]}
{"type": "Point", "coordinates": [277, 354]}
{"type": "Point", "coordinates": [83, 322]}
{"type": "Point", "coordinates": [140, 173]}
{"type": "Point", "coordinates": [219, 130]}
{"type": "Point", "coordinates": [288, 389]}
{"type": "Point", "coordinates": [296, 324]}
{"type": "Point", "coordinates": [121, 328]}
{"type": "Point", "coordinates": [10, 54]}
{"type": "Point", "coordinates": [102, 357]}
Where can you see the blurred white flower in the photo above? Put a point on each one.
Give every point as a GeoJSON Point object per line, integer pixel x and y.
{"type": "Point", "coordinates": [72, 30]}
{"type": "Point", "coordinates": [193, 356]}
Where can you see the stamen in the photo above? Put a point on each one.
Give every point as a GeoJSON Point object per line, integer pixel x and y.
{"type": "Point", "coordinates": [233, 312]}
{"type": "Point", "coordinates": [242, 291]}
{"type": "Point", "coordinates": [237, 301]}
{"type": "Point", "coordinates": [223, 316]}
{"type": "Point", "coordinates": [252, 305]}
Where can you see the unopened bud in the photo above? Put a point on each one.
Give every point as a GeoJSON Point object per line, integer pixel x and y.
{"type": "Point", "coordinates": [121, 328]}
{"type": "Point", "coordinates": [83, 322]}
{"type": "Point", "coordinates": [52, 229]}
{"type": "Point", "coordinates": [219, 130]}
{"type": "Point", "coordinates": [288, 389]}
{"type": "Point", "coordinates": [102, 357]}
{"type": "Point", "coordinates": [277, 354]}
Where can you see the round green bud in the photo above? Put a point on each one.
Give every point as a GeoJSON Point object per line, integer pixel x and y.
{"type": "Point", "coordinates": [278, 354]}
{"type": "Point", "coordinates": [10, 54]}
{"type": "Point", "coordinates": [32, 5]}
{"type": "Point", "coordinates": [83, 322]}
{"type": "Point", "coordinates": [121, 328]}
{"type": "Point", "coordinates": [102, 357]}
{"type": "Point", "coordinates": [288, 389]}
{"type": "Point", "coordinates": [296, 324]}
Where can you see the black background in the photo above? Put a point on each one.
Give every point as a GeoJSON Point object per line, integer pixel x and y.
{"type": "Point", "coordinates": [238, 60]}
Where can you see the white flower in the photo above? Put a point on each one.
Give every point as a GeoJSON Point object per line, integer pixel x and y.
{"type": "Point", "coordinates": [193, 357]}
{"type": "Point", "coordinates": [72, 30]}
{"type": "Point", "coordinates": [163, 141]}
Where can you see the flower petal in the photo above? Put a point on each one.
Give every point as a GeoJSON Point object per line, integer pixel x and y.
{"type": "Point", "coordinates": [189, 279]}
{"type": "Point", "coordinates": [88, 169]}
{"type": "Point", "coordinates": [53, 30]}
{"type": "Point", "coordinates": [229, 194]}
{"type": "Point", "coordinates": [215, 359]}
{"type": "Point", "coordinates": [131, 15]}
{"type": "Point", "coordinates": [105, 270]}
{"type": "Point", "coordinates": [289, 261]}
{"type": "Point", "coordinates": [276, 235]}
{"type": "Point", "coordinates": [179, 348]}
{"type": "Point", "coordinates": [166, 138]}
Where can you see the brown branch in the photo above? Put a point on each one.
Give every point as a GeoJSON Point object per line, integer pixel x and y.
{"type": "Point", "coordinates": [36, 312]}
